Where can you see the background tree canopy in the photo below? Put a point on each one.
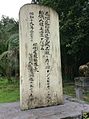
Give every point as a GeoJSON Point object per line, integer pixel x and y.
{"type": "Point", "coordinates": [74, 34]}
{"type": "Point", "coordinates": [9, 47]}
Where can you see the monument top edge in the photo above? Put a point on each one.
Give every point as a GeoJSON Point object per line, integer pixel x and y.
{"type": "Point", "coordinates": [32, 4]}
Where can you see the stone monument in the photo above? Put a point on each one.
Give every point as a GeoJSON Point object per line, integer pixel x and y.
{"type": "Point", "coordinates": [82, 82]}
{"type": "Point", "coordinates": [40, 59]}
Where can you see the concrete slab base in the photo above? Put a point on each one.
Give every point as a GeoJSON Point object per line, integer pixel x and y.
{"type": "Point", "coordinates": [69, 110]}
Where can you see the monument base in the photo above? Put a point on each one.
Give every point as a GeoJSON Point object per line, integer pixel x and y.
{"type": "Point", "coordinates": [69, 110]}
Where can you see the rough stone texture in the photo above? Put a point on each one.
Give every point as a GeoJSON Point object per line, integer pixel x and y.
{"type": "Point", "coordinates": [72, 109]}
{"type": "Point", "coordinates": [84, 70]}
{"type": "Point", "coordinates": [81, 86]}
{"type": "Point", "coordinates": [40, 64]}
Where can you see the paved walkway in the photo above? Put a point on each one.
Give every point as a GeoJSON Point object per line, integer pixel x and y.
{"type": "Point", "coordinates": [71, 108]}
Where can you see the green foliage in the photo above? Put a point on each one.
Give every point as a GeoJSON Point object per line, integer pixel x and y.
{"type": "Point", "coordinates": [9, 47]}
{"type": "Point", "coordinates": [85, 115]}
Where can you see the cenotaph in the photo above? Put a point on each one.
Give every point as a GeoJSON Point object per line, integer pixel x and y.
{"type": "Point", "coordinates": [40, 58]}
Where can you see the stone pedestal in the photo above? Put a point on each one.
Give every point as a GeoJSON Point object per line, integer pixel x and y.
{"type": "Point", "coordinates": [81, 85]}
{"type": "Point", "coordinates": [40, 59]}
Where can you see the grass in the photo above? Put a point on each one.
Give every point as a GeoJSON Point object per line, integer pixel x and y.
{"type": "Point", "coordinates": [86, 96]}
{"type": "Point", "coordinates": [9, 91]}
{"type": "Point", "coordinates": [69, 89]}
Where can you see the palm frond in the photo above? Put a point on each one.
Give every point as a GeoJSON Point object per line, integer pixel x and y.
{"type": "Point", "coordinates": [4, 54]}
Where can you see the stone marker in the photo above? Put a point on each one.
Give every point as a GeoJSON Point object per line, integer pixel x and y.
{"type": "Point", "coordinates": [40, 64]}
{"type": "Point", "coordinates": [81, 86]}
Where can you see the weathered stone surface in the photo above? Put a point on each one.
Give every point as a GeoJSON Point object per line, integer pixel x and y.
{"type": "Point", "coordinates": [69, 110]}
{"type": "Point", "coordinates": [40, 64]}
{"type": "Point", "coordinates": [84, 70]}
{"type": "Point", "coordinates": [81, 86]}
{"type": "Point", "coordinates": [82, 82]}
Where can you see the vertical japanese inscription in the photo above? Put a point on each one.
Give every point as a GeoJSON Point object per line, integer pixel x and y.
{"type": "Point", "coordinates": [31, 20]}
{"type": "Point", "coordinates": [30, 63]}
{"type": "Point", "coordinates": [41, 29]}
{"type": "Point", "coordinates": [31, 76]}
{"type": "Point", "coordinates": [35, 57]}
{"type": "Point", "coordinates": [47, 52]}
{"type": "Point", "coordinates": [44, 31]}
